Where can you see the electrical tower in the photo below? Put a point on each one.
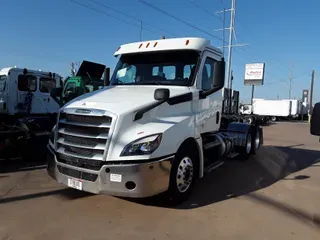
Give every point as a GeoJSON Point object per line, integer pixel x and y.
{"type": "Point", "coordinates": [232, 35]}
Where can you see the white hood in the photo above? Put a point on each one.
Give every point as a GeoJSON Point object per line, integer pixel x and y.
{"type": "Point", "coordinates": [122, 99]}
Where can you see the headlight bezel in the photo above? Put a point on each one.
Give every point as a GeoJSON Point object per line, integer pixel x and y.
{"type": "Point", "coordinates": [143, 142]}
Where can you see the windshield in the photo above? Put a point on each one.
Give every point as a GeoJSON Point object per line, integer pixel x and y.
{"type": "Point", "coordinates": [3, 79]}
{"type": "Point", "coordinates": [160, 68]}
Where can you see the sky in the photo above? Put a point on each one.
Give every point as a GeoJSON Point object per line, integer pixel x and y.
{"type": "Point", "coordinates": [283, 34]}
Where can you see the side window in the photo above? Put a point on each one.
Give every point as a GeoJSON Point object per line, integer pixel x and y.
{"type": "Point", "coordinates": [27, 83]}
{"type": "Point", "coordinates": [207, 74]}
{"type": "Point", "coordinates": [47, 84]}
{"type": "Point", "coordinates": [70, 88]}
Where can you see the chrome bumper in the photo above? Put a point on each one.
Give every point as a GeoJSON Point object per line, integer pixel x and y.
{"type": "Point", "coordinates": [150, 178]}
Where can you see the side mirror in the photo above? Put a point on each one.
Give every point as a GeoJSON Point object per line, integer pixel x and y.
{"type": "Point", "coordinates": [161, 94]}
{"type": "Point", "coordinates": [106, 77]}
{"type": "Point", "coordinates": [315, 120]}
{"type": "Point", "coordinates": [56, 92]}
{"type": "Point", "coordinates": [219, 74]}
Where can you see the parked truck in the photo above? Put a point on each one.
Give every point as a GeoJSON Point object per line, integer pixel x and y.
{"type": "Point", "coordinates": [27, 110]}
{"type": "Point", "coordinates": [87, 79]}
{"type": "Point", "coordinates": [315, 120]}
{"type": "Point", "coordinates": [157, 127]}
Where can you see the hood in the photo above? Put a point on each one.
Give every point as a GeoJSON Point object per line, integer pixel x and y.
{"type": "Point", "coordinates": [122, 99]}
{"type": "Point", "coordinates": [90, 69]}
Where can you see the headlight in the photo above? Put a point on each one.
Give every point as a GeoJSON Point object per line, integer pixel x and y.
{"type": "Point", "coordinates": [51, 138]}
{"type": "Point", "coordinates": [143, 146]}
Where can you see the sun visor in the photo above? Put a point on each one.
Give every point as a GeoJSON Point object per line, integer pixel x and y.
{"type": "Point", "coordinates": [91, 69]}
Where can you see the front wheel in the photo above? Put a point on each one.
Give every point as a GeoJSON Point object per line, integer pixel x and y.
{"type": "Point", "coordinates": [183, 174]}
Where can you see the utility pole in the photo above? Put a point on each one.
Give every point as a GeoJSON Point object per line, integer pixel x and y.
{"type": "Point", "coordinates": [230, 40]}
{"type": "Point", "coordinates": [311, 91]}
{"type": "Point", "coordinates": [290, 78]}
{"type": "Point", "coordinates": [231, 36]}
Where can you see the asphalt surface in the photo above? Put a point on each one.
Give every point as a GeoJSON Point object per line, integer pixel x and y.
{"type": "Point", "coordinates": [274, 195]}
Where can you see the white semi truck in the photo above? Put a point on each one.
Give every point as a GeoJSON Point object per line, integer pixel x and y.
{"type": "Point", "coordinates": [156, 128]}
{"type": "Point", "coordinates": [26, 108]}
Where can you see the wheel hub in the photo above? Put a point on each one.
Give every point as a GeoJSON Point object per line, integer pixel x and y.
{"type": "Point", "coordinates": [184, 174]}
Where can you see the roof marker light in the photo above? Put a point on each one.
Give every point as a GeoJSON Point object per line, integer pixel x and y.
{"type": "Point", "coordinates": [187, 42]}
{"type": "Point", "coordinates": [155, 44]}
{"type": "Point", "coordinates": [140, 45]}
{"type": "Point", "coordinates": [148, 45]}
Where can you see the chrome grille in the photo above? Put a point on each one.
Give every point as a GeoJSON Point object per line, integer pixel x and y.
{"type": "Point", "coordinates": [87, 119]}
{"type": "Point", "coordinates": [83, 136]}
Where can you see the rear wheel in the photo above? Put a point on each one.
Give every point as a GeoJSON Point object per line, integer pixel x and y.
{"type": "Point", "coordinates": [273, 119]}
{"type": "Point", "coordinates": [246, 150]}
{"type": "Point", "coordinates": [256, 141]}
{"type": "Point", "coordinates": [183, 174]}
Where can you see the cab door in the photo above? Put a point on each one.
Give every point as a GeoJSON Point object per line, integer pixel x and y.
{"type": "Point", "coordinates": [46, 84]}
{"type": "Point", "coordinates": [210, 106]}
{"type": "Point", "coordinates": [27, 96]}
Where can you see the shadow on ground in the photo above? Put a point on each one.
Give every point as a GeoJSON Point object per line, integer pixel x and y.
{"type": "Point", "coordinates": [65, 193]}
{"type": "Point", "coordinates": [236, 178]}
{"type": "Point", "coordinates": [11, 166]}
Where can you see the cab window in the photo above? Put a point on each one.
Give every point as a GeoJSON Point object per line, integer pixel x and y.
{"type": "Point", "coordinates": [27, 83]}
{"type": "Point", "coordinates": [207, 74]}
{"type": "Point", "coordinates": [3, 79]}
{"type": "Point", "coordinates": [47, 84]}
{"type": "Point", "coordinates": [70, 88]}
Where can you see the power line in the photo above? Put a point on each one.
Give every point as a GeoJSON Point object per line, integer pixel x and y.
{"type": "Point", "coordinates": [129, 16]}
{"type": "Point", "coordinates": [178, 19]}
{"type": "Point", "coordinates": [109, 15]}
{"type": "Point", "coordinates": [204, 10]}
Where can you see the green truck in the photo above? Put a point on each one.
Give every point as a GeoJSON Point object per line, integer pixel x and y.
{"type": "Point", "coordinates": [87, 79]}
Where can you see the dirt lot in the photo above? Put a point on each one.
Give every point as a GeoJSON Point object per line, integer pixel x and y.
{"type": "Point", "coordinates": [275, 195]}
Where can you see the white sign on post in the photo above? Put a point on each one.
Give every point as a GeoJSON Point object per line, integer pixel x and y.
{"type": "Point", "coordinates": [254, 74]}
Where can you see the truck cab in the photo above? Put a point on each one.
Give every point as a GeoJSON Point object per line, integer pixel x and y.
{"type": "Point", "coordinates": [27, 109]}
{"type": "Point", "coordinates": [87, 79]}
{"type": "Point", "coordinates": [155, 128]}
{"type": "Point", "coordinates": [27, 92]}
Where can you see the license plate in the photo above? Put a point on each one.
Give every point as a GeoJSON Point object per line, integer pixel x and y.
{"type": "Point", "coordinates": [74, 183]}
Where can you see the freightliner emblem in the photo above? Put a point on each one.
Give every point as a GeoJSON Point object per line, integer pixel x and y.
{"type": "Point", "coordinates": [85, 111]}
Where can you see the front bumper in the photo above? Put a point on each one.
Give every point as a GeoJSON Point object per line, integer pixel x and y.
{"type": "Point", "coordinates": [150, 178]}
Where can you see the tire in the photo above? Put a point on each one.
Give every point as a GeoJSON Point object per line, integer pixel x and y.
{"type": "Point", "coordinates": [246, 150]}
{"type": "Point", "coordinates": [183, 175]}
{"type": "Point", "coordinates": [256, 140]}
{"type": "Point", "coordinates": [273, 119]}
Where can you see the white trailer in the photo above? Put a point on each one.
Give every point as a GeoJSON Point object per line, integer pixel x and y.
{"type": "Point", "coordinates": [275, 109]}
{"type": "Point", "coordinates": [296, 108]}
{"type": "Point", "coordinates": [157, 128]}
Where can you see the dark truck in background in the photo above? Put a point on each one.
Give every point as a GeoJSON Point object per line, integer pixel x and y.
{"type": "Point", "coordinates": [315, 120]}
